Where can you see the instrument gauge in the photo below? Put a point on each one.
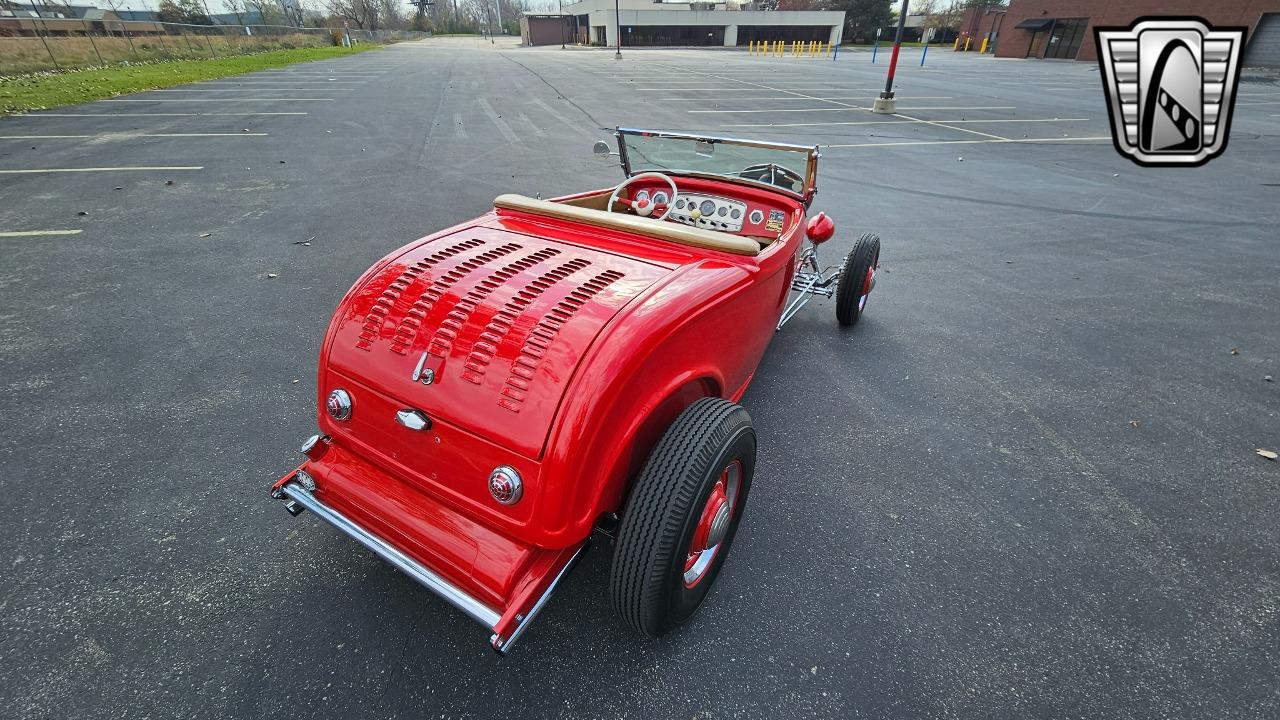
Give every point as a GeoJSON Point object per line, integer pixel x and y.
{"type": "Point", "coordinates": [707, 207]}
{"type": "Point", "coordinates": [642, 195]}
{"type": "Point", "coordinates": [660, 198]}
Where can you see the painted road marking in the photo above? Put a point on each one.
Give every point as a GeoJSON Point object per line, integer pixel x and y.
{"type": "Point", "coordinates": [248, 89]}
{"type": "Point", "coordinates": [721, 88]}
{"type": "Point", "coordinates": [503, 127]}
{"type": "Point", "coordinates": [798, 99]}
{"type": "Point", "coordinates": [563, 120]}
{"type": "Point", "coordinates": [896, 122]}
{"type": "Point", "coordinates": [217, 100]}
{"type": "Point", "coordinates": [846, 108]}
{"type": "Point", "coordinates": [950, 127]}
{"type": "Point", "coordinates": [190, 114]}
{"type": "Point", "coordinates": [972, 142]}
{"type": "Point", "coordinates": [138, 168]}
{"type": "Point", "coordinates": [126, 136]}
{"type": "Point", "coordinates": [39, 233]}
{"type": "Point", "coordinates": [536, 130]}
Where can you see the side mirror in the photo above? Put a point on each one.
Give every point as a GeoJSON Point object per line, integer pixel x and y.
{"type": "Point", "coordinates": [601, 150]}
{"type": "Point", "coordinates": [820, 228]}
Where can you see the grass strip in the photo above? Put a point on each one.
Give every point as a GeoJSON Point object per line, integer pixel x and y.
{"type": "Point", "coordinates": [41, 91]}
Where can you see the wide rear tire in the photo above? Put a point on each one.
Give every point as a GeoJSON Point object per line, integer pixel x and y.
{"type": "Point", "coordinates": [681, 516]}
{"type": "Point", "coordinates": [856, 280]}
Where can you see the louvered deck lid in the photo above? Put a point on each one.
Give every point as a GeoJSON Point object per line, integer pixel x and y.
{"type": "Point", "coordinates": [500, 320]}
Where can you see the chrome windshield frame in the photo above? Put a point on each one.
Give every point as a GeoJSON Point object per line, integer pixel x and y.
{"type": "Point", "coordinates": [811, 153]}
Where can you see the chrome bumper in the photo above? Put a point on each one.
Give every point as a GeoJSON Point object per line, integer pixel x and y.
{"type": "Point", "coordinates": [455, 596]}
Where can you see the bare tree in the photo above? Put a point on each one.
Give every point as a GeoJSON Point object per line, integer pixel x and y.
{"type": "Point", "coordinates": [362, 13]}
{"type": "Point", "coordinates": [237, 8]}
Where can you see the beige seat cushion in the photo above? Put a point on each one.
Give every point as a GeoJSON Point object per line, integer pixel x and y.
{"type": "Point", "coordinates": [649, 227]}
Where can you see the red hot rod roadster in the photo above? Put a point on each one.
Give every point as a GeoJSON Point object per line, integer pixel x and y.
{"type": "Point", "coordinates": [491, 394]}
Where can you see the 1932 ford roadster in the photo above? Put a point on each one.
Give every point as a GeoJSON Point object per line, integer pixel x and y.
{"type": "Point", "coordinates": [491, 394]}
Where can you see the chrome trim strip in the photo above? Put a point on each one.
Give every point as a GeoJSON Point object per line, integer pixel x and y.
{"type": "Point", "coordinates": [505, 647]}
{"type": "Point", "coordinates": [452, 594]}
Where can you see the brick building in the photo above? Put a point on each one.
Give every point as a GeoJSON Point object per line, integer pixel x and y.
{"type": "Point", "coordinates": [1063, 29]}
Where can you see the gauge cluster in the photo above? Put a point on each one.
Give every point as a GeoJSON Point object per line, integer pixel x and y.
{"type": "Point", "coordinates": [709, 211]}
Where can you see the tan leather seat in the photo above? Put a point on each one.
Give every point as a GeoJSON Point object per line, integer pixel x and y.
{"type": "Point", "coordinates": [649, 227]}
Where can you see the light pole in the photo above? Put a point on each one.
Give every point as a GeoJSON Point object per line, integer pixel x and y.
{"type": "Point", "coordinates": [617, 30]}
{"type": "Point", "coordinates": [885, 104]}
{"type": "Point", "coordinates": [562, 24]}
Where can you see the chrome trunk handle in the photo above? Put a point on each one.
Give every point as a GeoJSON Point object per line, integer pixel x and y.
{"type": "Point", "coordinates": [413, 419]}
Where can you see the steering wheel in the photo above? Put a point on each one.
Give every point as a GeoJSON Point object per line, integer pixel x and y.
{"type": "Point", "coordinates": [771, 174]}
{"type": "Point", "coordinates": [645, 208]}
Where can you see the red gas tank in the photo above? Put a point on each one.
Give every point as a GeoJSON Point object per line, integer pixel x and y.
{"type": "Point", "coordinates": [820, 228]}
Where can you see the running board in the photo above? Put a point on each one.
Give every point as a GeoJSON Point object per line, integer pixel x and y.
{"type": "Point", "coordinates": [507, 627]}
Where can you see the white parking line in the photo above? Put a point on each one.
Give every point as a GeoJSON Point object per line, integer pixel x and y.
{"type": "Point", "coordinates": [217, 100]}
{"type": "Point", "coordinates": [949, 127]}
{"type": "Point", "coordinates": [503, 127]}
{"type": "Point", "coordinates": [127, 136]}
{"type": "Point", "coordinates": [251, 89]}
{"type": "Point", "coordinates": [799, 99]}
{"type": "Point", "coordinates": [563, 120]}
{"type": "Point", "coordinates": [845, 108]}
{"type": "Point", "coordinates": [971, 142]}
{"type": "Point", "coordinates": [721, 88]}
{"type": "Point", "coordinates": [898, 122]}
{"type": "Point", "coordinates": [39, 233]}
{"type": "Point", "coordinates": [281, 81]}
{"type": "Point", "coordinates": [536, 130]}
{"type": "Point", "coordinates": [190, 114]}
{"type": "Point", "coordinates": [134, 168]}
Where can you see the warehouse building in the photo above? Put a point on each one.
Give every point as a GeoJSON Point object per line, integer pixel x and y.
{"type": "Point", "coordinates": [645, 22]}
{"type": "Point", "coordinates": [1063, 29]}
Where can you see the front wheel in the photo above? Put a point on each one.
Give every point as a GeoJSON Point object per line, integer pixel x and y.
{"type": "Point", "coordinates": [857, 279]}
{"type": "Point", "coordinates": [682, 515]}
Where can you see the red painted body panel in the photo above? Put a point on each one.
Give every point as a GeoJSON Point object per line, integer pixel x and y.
{"type": "Point", "coordinates": [561, 349]}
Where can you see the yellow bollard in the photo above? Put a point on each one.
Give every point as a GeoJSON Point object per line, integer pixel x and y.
{"type": "Point", "coordinates": [782, 48]}
{"type": "Point", "coordinates": [967, 42]}
{"type": "Point", "coordinates": [826, 49]}
{"type": "Point", "coordinates": [956, 46]}
{"type": "Point", "coordinates": [983, 50]}
{"type": "Point", "coordinates": [813, 48]}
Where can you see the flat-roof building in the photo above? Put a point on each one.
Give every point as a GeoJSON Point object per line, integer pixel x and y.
{"type": "Point", "coordinates": [645, 22]}
{"type": "Point", "coordinates": [1063, 29]}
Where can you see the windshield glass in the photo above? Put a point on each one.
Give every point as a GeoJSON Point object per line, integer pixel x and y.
{"type": "Point", "coordinates": [783, 166]}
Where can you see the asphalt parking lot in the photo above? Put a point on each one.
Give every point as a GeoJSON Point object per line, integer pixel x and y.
{"type": "Point", "coordinates": [1024, 486]}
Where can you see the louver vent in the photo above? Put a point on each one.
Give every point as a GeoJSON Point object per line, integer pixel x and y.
{"type": "Point", "coordinates": [377, 316]}
{"type": "Point", "coordinates": [457, 317]}
{"type": "Point", "coordinates": [412, 321]}
{"type": "Point", "coordinates": [542, 335]}
{"type": "Point", "coordinates": [486, 346]}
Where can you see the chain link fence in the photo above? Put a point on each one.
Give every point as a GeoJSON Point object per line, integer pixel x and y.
{"type": "Point", "coordinates": [34, 44]}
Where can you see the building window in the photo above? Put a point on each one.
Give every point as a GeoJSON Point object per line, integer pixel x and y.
{"type": "Point", "coordinates": [1065, 37]}
{"type": "Point", "coordinates": [672, 35]}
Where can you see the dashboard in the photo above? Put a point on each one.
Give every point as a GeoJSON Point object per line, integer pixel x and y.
{"type": "Point", "coordinates": [715, 212]}
{"type": "Point", "coordinates": [709, 211]}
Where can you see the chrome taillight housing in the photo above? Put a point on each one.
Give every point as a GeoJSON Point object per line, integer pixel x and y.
{"type": "Point", "coordinates": [505, 485]}
{"type": "Point", "coordinates": [338, 404]}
